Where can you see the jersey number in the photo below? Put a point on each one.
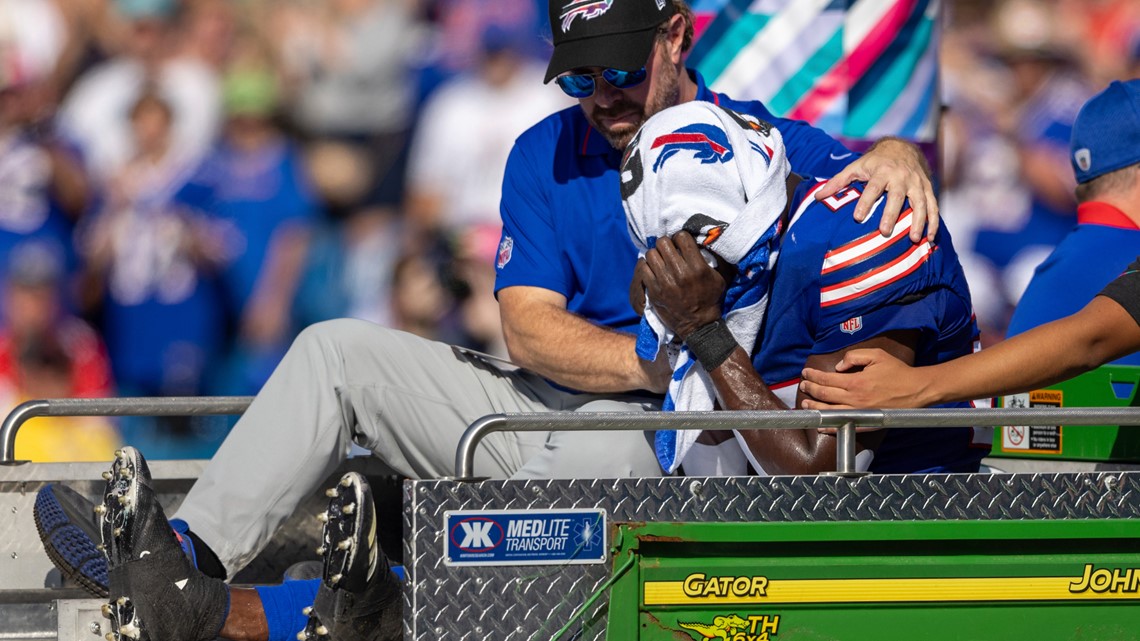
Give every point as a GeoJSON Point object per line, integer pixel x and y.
{"type": "Point", "coordinates": [843, 198]}
{"type": "Point", "coordinates": [632, 170]}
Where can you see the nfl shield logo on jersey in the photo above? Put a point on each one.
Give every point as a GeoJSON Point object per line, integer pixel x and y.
{"type": "Point", "coordinates": [851, 325]}
{"type": "Point", "coordinates": [506, 247]}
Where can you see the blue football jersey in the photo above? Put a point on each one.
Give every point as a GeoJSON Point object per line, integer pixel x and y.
{"type": "Point", "coordinates": [838, 283]}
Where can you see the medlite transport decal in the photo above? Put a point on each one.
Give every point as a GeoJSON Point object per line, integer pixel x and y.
{"type": "Point", "coordinates": [524, 537]}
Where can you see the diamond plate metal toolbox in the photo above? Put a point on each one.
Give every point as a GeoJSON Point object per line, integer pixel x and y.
{"type": "Point", "coordinates": [568, 601]}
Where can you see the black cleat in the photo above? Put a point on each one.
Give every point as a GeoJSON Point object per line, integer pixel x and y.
{"type": "Point", "coordinates": [359, 597]}
{"type": "Point", "coordinates": [70, 533]}
{"type": "Point", "coordinates": [156, 592]}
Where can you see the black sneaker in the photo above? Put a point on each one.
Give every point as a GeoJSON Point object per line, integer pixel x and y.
{"type": "Point", "coordinates": [70, 533]}
{"type": "Point", "coordinates": [359, 598]}
{"type": "Point", "coordinates": [156, 592]}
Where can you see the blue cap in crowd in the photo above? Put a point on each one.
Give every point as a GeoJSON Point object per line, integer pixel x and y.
{"type": "Point", "coordinates": [1106, 135]}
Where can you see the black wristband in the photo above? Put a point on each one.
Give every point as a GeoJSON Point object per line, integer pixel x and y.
{"type": "Point", "coordinates": [712, 344]}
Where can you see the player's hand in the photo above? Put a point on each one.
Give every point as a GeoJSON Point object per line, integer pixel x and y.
{"type": "Point", "coordinates": [637, 287]}
{"type": "Point", "coordinates": [898, 168]}
{"type": "Point", "coordinates": [684, 290]}
{"type": "Point", "coordinates": [865, 379]}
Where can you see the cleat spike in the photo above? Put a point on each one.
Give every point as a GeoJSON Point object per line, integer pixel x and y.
{"type": "Point", "coordinates": [125, 472]}
{"type": "Point", "coordinates": [301, 636]}
{"type": "Point", "coordinates": [334, 579]}
{"type": "Point", "coordinates": [349, 508]}
{"type": "Point", "coordinates": [99, 509]}
{"type": "Point", "coordinates": [106, 610]}
{"type": "Point", "coordinates": [121, 600]}
{"type": "Point", "coordinates": [100, 547]}
{"type": "Point", "coordinates": [130, 630]}
{"type": "Point", "coordinates": [110, 636]}
{"type": "Point", "coordinates": [323, 517]}
{"type": "Point", "coordinates": [332, 493]}
{"type": "Point", "coordinates": [124, 500]}
{"type": "Point", "coordinates": [322, 630]}
{"type": "Point", "coordinates": [321, 550]}
{"type": "Point", "coordinates": [307, 611]}
{"type": "Point", "coordinates": [117, 532]}
{"type": "Point", "coordinates": [107, 476]}
{"type": "Point", "coordinates": [120, 454]}
{"type": "Point", "coordinates": [345, 482]}
{"type": "Point", "coordinates": [344, 545]}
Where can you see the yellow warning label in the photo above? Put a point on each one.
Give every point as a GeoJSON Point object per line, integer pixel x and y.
{"type": "Point", "coordinates": [1033, 439]}
{"type": "Point", "coordinates": [1050, 397]}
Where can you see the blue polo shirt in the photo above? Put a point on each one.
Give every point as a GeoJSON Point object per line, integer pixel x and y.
{"type": "Point", "coordinates": [563, 225]}
{"type": "Point", "coordinates": [1097, 250]}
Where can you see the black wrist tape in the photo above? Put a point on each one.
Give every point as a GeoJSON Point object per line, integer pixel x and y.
{"type": "Point", "coordinates": [711, 344]}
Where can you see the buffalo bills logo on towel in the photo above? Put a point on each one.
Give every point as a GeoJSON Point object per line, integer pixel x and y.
{"type": "Point", "coordinates": [709, 143]}
{"type": "Point", "coordinates": [704, 229]}
{"type": "Point", "coordinates": [588, 9]}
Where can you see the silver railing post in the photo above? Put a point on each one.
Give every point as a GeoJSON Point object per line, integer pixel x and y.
{"type": "Point", "coordinates": [845, 451]}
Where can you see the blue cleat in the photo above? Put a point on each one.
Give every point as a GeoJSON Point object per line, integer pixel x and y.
{"type": "Point", "coordinates": [69, 531]}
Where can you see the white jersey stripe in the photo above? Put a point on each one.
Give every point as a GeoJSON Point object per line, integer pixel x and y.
{"type": "Point", "coordinates": [876, 279]}
{"type": "Point", "coordinates": [865, 246]}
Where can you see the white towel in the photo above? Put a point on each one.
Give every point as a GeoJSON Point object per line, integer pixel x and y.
{"type": "Point", "coordinates": [722, 176]}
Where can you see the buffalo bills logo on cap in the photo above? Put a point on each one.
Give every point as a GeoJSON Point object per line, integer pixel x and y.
{"type": "Point", "coordinates": [709, 143]}
{"type": "Point", "coordinates": [1083, 158]}
{"type": "Point", "coordinates": [704, 229]}
{"type": "Point", "coordinates": [587, 9]}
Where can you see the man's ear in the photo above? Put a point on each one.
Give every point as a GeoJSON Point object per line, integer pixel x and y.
{"type": "Point", "coordinates": [676, 38]}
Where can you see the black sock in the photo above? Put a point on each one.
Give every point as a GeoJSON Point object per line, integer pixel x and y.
{"type": "Point", "coordinates": [208, 562]}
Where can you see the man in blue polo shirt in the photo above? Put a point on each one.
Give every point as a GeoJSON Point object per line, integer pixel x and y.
{"type": "Point", "coordinates": [564, 264]}
{"type": "Point", "coordinates": [1105, 159]}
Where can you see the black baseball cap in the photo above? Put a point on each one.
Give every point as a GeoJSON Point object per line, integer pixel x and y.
{"type": "Point", "coordinates": [617, 34]}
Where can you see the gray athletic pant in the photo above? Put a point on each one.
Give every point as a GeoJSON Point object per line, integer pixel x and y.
{"type": "Point", "coordinates": [406, 399]}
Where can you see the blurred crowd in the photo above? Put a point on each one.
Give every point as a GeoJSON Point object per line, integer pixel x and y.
{"type": "Point", "coordinates": [1014, 75]}
{"type": "Point", "coordinates": [185, 184]}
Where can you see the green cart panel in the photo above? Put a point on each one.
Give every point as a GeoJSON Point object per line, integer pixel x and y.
{"type": "Point", "coordinates": [1108, 386]}
{"type": "Point", "coordinates": [950, 580]}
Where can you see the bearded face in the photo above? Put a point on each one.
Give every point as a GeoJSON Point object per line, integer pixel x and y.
{"type": "Point", "coordinates": [617, 114]}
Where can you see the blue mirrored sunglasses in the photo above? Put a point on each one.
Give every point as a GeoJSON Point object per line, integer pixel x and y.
{"type": "Point", "coordinates": [582, 85]}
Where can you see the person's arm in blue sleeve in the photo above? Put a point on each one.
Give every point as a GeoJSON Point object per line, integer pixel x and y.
{"type": "Point", "coordinates": [542, 335]}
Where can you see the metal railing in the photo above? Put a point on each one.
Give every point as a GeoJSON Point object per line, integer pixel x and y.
{"type": "Point", "coordinates": [126, 406]}
{"type": "Point", "coordinates": [845, 422]}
